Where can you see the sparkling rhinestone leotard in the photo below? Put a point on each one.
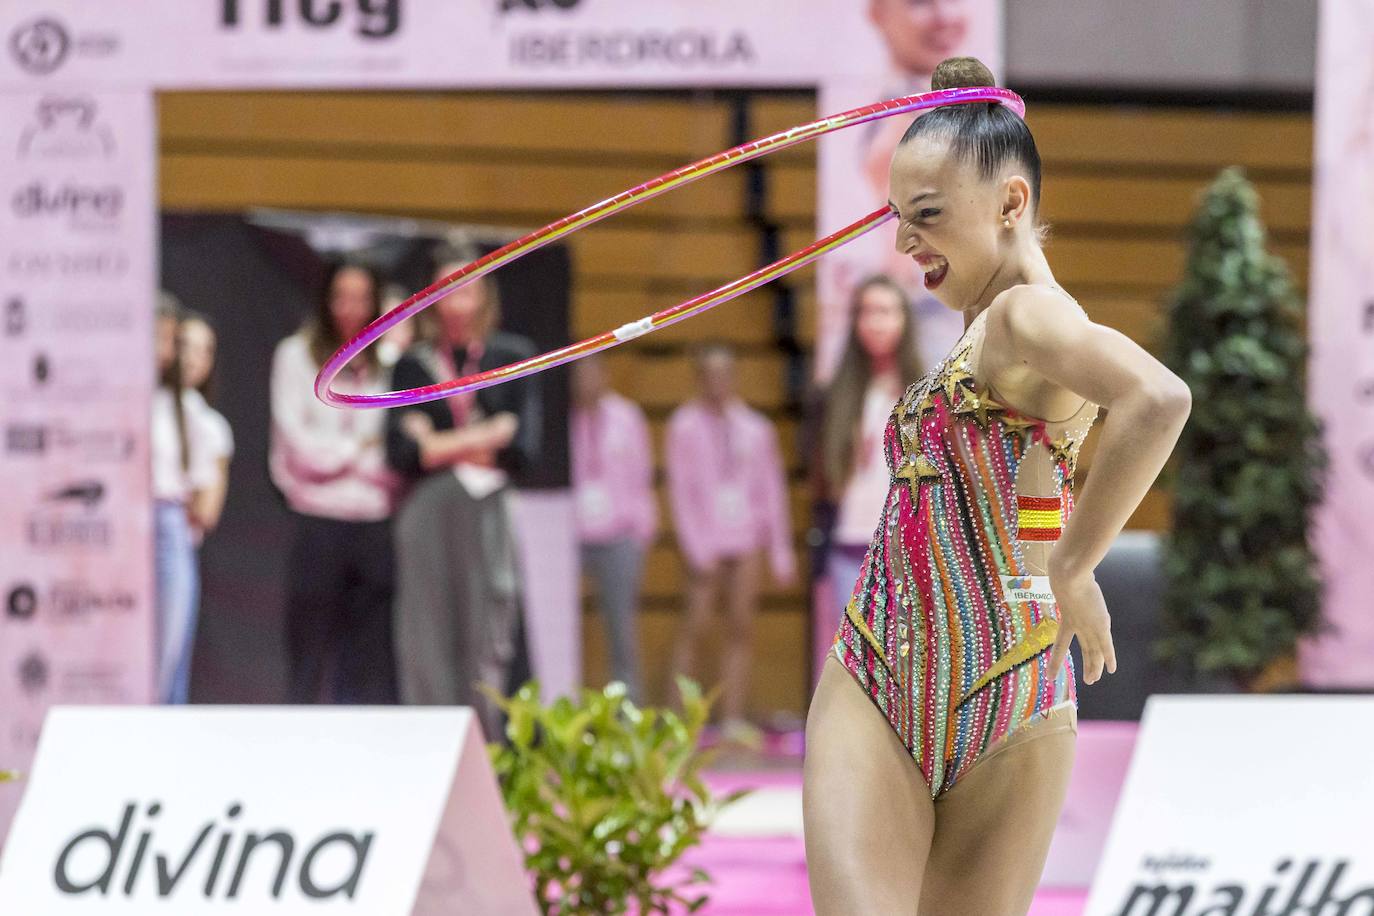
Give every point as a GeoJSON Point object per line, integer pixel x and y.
{"type": "Point", "coordinates": [946, 629]}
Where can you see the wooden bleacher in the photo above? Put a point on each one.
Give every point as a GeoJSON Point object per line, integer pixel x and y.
{"type": "Point", "coordinates": [1120, 185]}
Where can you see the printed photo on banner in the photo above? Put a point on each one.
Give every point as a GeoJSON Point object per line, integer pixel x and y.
{"type": "Point", "coordinates": [909, 40]}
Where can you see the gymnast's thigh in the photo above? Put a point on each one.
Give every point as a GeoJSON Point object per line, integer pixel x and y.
{"type": "Point", "coordinates": [867, 811]}
{"type": "Point", "coordinates": [993, 828]}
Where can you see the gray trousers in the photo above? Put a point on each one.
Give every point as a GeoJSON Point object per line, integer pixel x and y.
{"type": "Point", "coordinates": [457, 597]}
{"type": "Point", "coordinates": [616, 567]}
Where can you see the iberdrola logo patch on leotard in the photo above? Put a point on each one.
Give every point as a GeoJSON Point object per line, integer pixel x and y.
{"type": "Point", "coordinates": [1017, 589]}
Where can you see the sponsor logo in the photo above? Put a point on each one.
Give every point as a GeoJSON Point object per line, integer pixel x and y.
{"type": "Point", "coordinates": [215, 861]}
{"type": "Point", "coordinates": [1313, 889]}
{"type": "Point", "coordinates": [67, 600]}
{"type": "Point", "coordinates": [93, 264]}
{"type": "Point", "coordinates": [68, 379]}
{"type": "Point", "coordinates": [25, 734]}
{"type": "Point", "coordinates": [40, 45]}
{"type": "Point", "coordinates": [69, 518]}
{"type": "Point", "coordinates": [1365, 457]}
{"type": "Point", "coordinates": [88, 493]}
{"type": "Point", "coordinates": [87, 444]}
{"type": "Point", "coordinates": [626, 49]}
{"type": "Point", "coordinates": [371, 19]}
{"type": "Point", "coordinates": [77, 599]}
{"type": "Point", "coordinates": [16, 317]}
{"type": "Point", "coordinates": [83, 206]}
{"type": "Point", "coordinates": [33, 674]}
{"type": "Point", "coordinates": [84, 318]}
{"type": "Point", "coordinates": [65, 127]}
{"type": "Point", "coordinates": [107, 315]}
{"type": "Point", "coordinates": [22, 602]}
{"type": "Point", "coordinates": [1019, 589]}
{"type": "Point", "coordinates": [26, 439]}
{"type": "Point", "coordinates": [506, 6]}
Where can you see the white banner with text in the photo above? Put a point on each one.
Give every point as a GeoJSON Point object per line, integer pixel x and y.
{"type": "Point", "coordinates": [255, 809]}
{"type": "Point", "coordinates": [1244, 804]}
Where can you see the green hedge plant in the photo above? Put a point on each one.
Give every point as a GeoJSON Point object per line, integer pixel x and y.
{"type": "Point", "coordinates": [605, 796]}
{"type": "Point", "coordinates": [1241, 579]}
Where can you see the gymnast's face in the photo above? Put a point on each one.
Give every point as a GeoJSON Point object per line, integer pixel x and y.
{"type": "Point", "coordinates": [950, 220]}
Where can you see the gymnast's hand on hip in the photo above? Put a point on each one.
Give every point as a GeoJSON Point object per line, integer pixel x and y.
{"type": "Point", "coordinates": [1082, 614]}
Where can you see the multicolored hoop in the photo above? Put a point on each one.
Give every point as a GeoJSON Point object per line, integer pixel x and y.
{"type": "Point", "coordinates": [623, 201]}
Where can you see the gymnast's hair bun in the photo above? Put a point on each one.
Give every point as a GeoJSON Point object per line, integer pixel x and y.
{"type": "Point", "coordinates": [961, 72]}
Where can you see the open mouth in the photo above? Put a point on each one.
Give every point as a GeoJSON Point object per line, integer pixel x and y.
{"type": "Point", "coordinates": [934, 270]}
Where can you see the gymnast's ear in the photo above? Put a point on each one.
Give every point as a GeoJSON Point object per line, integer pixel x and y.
{"type": "Point", "coordinates": [1015, 200]}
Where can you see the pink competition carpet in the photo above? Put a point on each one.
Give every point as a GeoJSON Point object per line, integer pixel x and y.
{"type": "Point", "coordinates": [756, 857]}
{"type": "Point", "coordinates": [766, 875]}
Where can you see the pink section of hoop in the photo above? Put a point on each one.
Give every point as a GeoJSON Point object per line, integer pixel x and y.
{"type": "Point", "coordinates": [622, 201]}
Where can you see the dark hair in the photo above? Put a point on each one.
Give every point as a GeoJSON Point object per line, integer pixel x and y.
{"type": "Point", "coordinates": [320, 330]}
{"type": "Point", "coordinates": [844, 396]}
{"type": "Point", "coordinates": [990, 135]}
{"type": "Point", "coordinates": [169, 308]}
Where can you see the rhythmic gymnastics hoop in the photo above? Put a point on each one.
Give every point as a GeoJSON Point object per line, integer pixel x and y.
{"type": "Point", "coordinates": [623, 201]}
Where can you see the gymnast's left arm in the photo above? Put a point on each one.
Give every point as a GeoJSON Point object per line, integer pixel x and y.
{"type": "Point", "coordinates": [1147, 406]}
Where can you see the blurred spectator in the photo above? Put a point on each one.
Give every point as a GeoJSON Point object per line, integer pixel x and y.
{"type": "Point", "coordinates": [845, 426]}
{"type": "Point", "coordinates": [729, 500]}
{"type": "Point", "coordinates": [330, 466]}
{"type": "Point", "coordinates": [198, 348]}
{"type": "Point", "coordinates": [184, 468]}
{"type": "Point", "coordinates": [398, 339]}
{"type": "Point", "coordinates": [612, 474]}
{"type": "Point", "coordinates": [458, 599]}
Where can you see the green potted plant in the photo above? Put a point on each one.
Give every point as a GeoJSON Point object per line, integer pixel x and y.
{"type": "Point", "coordinates": [1241, 578]}
{"type": "Point", "coordinates": [605, 796]}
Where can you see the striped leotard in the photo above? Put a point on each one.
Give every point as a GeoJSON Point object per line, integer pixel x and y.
{"type": "Point", "coordinates": [946, 629]}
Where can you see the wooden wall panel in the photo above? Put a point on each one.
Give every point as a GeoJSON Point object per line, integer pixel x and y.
{"type": "Point", "coordinates": [1120, 186]}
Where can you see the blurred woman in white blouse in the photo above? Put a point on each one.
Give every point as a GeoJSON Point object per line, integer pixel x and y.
{"type": "Point", "coordinates": [330, 466]}
{"type": "Point", "coordinates": [184, 471]}
{"type": "Point", "coordinates": [199, 344]}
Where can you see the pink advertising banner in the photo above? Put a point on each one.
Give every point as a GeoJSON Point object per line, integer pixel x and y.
{"type": "Point", "coordinates": [77, 210]}
{"type": "Point", "coordinates": [1341, 331]}
{"type": "Point", "coordinates": [902, 43]}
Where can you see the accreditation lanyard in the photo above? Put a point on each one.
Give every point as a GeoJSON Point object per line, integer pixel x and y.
{"type": "Point", "coordinates": [462, 406]}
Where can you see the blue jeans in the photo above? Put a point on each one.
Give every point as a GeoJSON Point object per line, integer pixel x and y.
{"type": "Point", "coordinates": [178, 599]}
